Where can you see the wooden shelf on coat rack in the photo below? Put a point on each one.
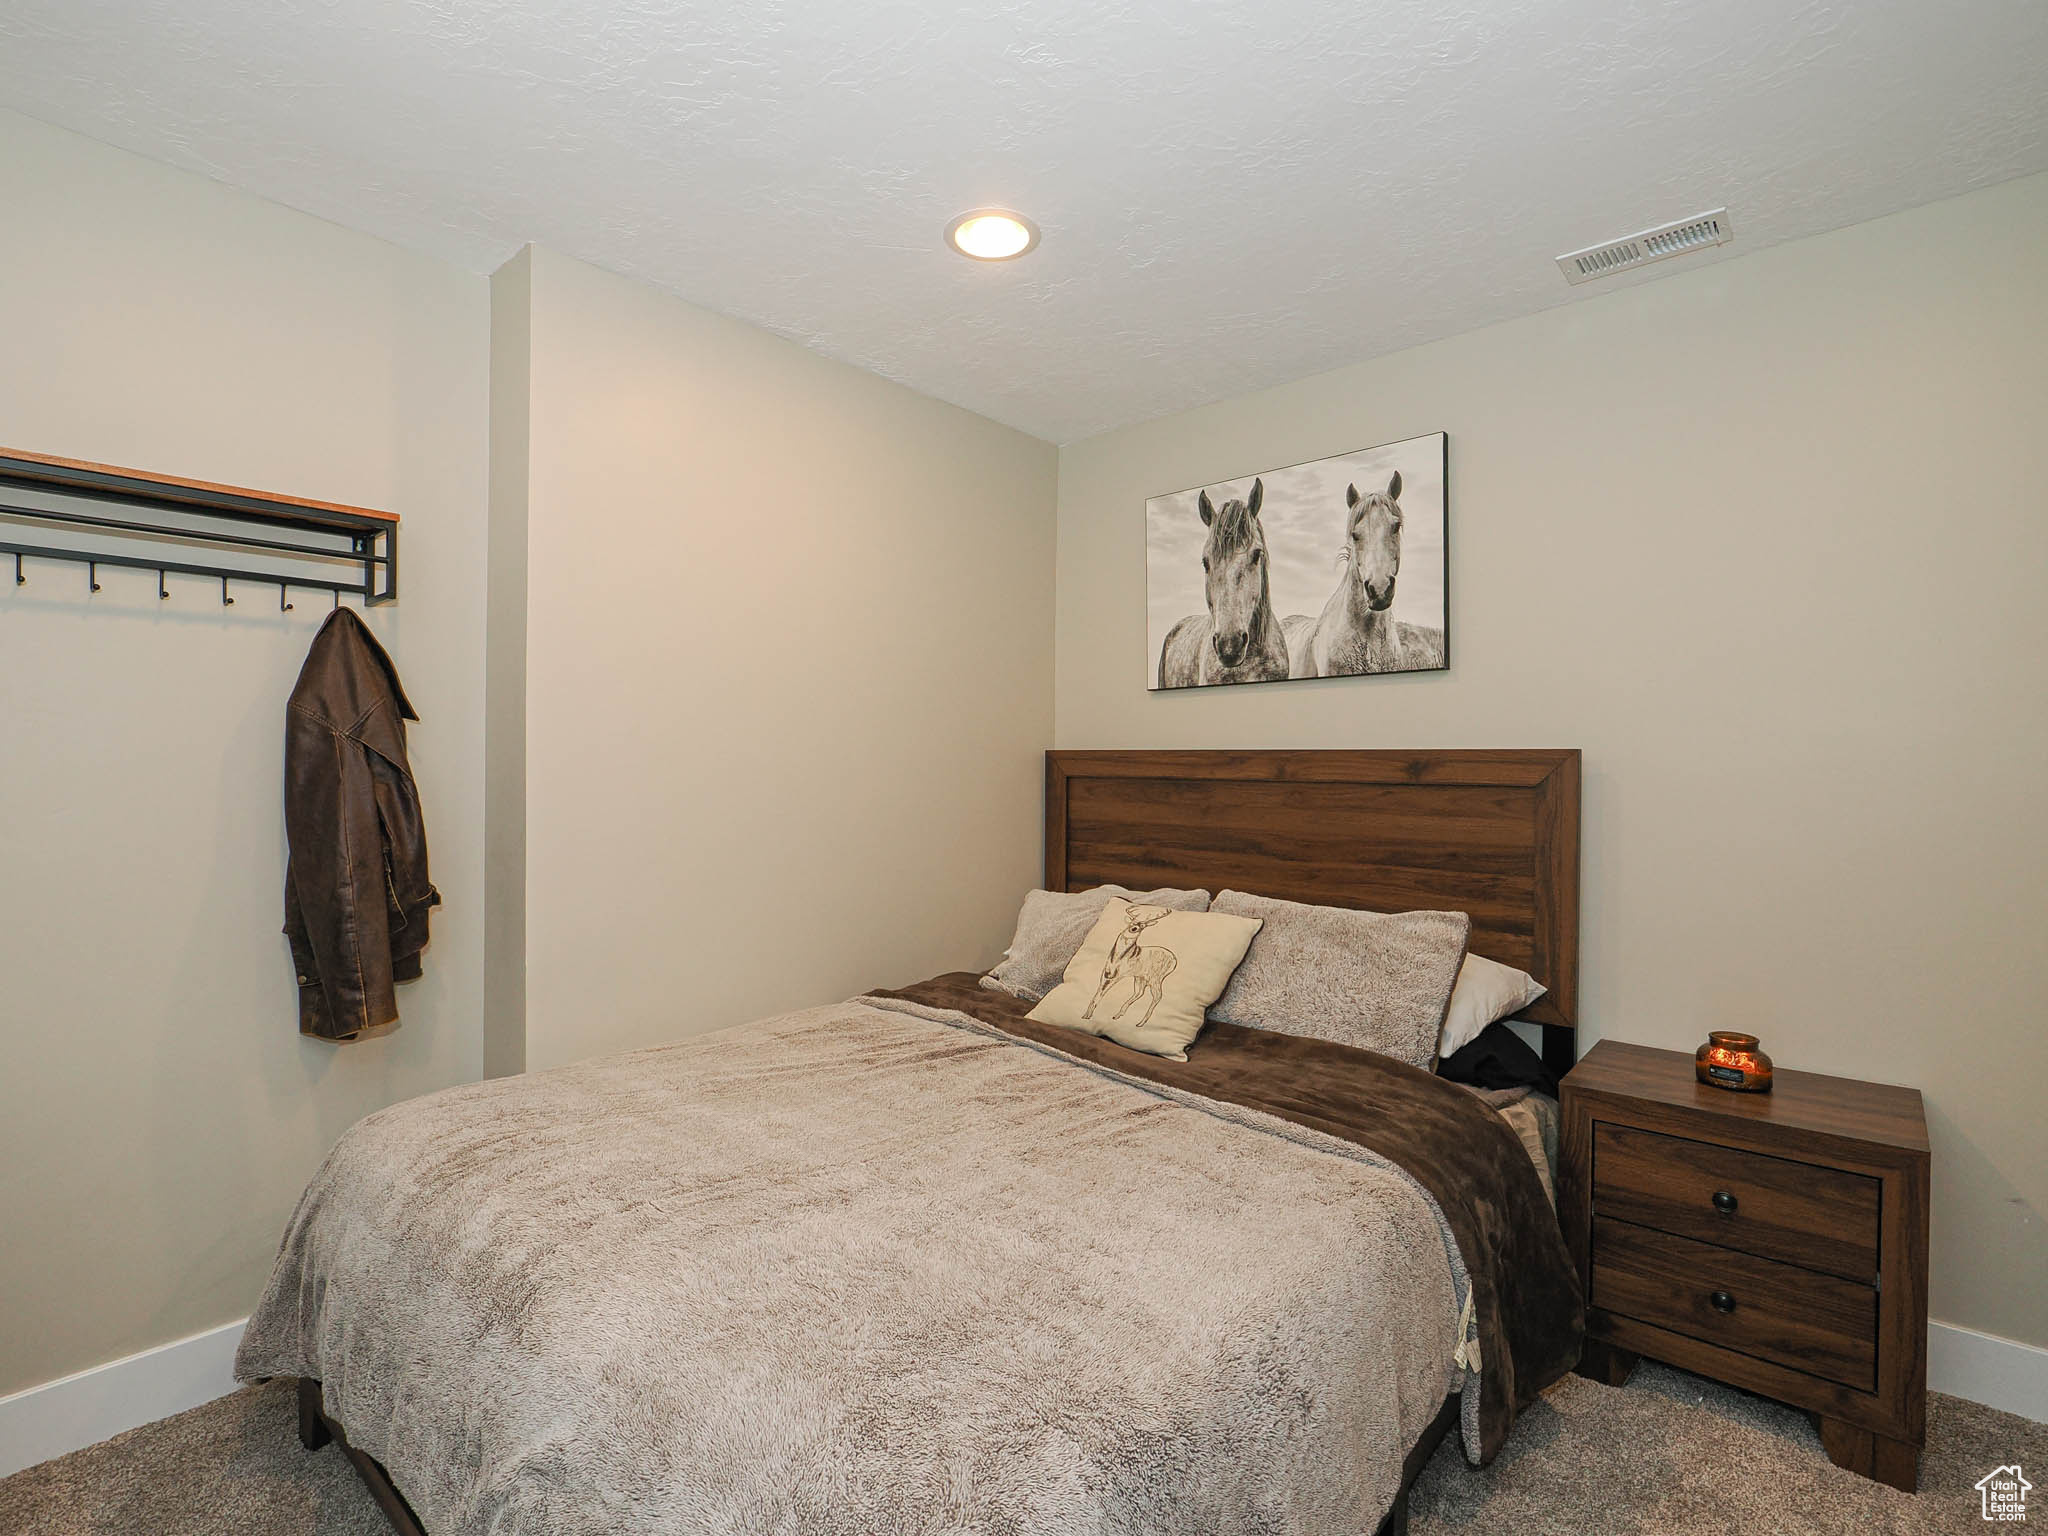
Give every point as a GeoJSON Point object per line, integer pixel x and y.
{"type": "Point", "coordinates": [309, 544]}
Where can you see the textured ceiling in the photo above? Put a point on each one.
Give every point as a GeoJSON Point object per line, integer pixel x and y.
{"type": "Point", "coordinates": [1232, 195]}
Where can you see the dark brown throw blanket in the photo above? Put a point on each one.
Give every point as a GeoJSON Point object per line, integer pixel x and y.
{"type": "Point", "coordinates": [1527, 1308]}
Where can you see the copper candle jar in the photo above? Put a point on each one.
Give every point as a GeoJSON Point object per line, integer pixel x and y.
{"type": "Point", "coordinates": [1730, 1060]}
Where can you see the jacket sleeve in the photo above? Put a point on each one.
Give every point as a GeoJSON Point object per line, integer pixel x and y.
{"type": "Point", "coordinates": [409, 894]}
{"type": "Point", "coordinates": [337, 881]}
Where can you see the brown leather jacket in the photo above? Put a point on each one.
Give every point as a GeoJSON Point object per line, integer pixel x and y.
{"type": "Point", "coordinates": [356, 892]}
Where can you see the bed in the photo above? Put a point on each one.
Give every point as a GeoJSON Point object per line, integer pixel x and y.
{"type": "Point", "coordinates": [911, 1263]}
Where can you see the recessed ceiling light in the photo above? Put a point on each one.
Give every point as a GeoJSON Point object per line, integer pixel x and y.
{"type": "Point", "coordinates": [992, 234]}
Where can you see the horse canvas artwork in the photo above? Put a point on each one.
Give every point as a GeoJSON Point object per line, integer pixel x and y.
{"type": "Point", "coordinates": [1334, 568]}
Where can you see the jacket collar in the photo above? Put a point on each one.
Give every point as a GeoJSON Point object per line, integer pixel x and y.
{"type": "Point", "coordinates": [341, 654]}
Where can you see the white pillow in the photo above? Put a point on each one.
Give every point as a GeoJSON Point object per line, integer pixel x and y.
{"type": "Point", "coordinates": [1487, 991]}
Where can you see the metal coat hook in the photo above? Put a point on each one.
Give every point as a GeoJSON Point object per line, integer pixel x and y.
{"type": "Point", "coordinates": [92, 574]}
{"type": "Point", "coordinates": [335, 593]}
{"type": "Point", "coordinates": [282, 605]}
{"type": "Point", "coordinates": [225, 600]}
{"type": "Point", "coordinates": [162, 591]}
{"type": "Point", "coordinates": [19, 579]}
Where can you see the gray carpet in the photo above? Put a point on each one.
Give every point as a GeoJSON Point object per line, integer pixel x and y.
{"type": "Point", "coordinates": [1669, 1454]}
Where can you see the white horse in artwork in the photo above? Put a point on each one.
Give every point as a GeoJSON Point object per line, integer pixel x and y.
{"type": "Point", "coordinates": [1145, 966]}
{"type": "Point", "coordinates": [1240, 638]}
{"type": "Point", "coordinates": [1358, 631]}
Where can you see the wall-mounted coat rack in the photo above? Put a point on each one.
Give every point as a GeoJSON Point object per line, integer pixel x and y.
{"type": "Point", "coordinates": [315, 544]}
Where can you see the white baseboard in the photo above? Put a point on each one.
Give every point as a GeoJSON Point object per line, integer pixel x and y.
{"type": "Point", "coordinates": [76, 1411]}
{"type": "Point", "coordinates": [2000, 1373]}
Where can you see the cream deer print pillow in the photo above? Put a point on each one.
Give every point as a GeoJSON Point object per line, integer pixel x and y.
{"type": "Point", "coordinates": [1146, 975]}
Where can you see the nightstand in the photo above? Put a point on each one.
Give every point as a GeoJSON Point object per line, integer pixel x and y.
{"type": "Point", "coordinates": [1774, 1241]}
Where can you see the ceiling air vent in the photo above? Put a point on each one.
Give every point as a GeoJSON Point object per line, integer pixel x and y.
{"type": "Point", "coordinates": [1693, 234]}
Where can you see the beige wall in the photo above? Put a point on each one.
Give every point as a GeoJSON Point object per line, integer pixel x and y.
{"type": "Point", "coordinates": [789, 679]}
{"type": "Point", "coordinates": [1768, 541]}
{"type": "Point", "coordinates": [790, 675]}
{"type": "Point", "coordinates": [159, 1112]}
{"type": "Point", "coordinates": [772, 658]}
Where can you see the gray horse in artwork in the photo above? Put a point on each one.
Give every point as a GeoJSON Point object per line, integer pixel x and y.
{"type": "Point", "coordinates": [1358, 631]}
{"type": "Point", "coordinates": [1240, 639]}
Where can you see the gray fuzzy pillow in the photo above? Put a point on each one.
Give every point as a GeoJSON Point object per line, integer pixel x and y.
{"type": "Point", "coordinates": [1377, 980]}
{"type": "Point", "coordinates": [1052, 925]}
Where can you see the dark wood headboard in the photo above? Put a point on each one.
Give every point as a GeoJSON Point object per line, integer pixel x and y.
{"type": "Point", "coordinates": [1494, 834]}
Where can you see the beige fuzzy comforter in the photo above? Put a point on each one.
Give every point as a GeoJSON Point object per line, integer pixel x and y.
{"type": "Point", "coordinates": [858, 1270]}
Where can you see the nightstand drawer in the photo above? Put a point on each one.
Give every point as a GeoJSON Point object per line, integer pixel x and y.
{"type": "Point", "coordinates": [1801, 1213]}
{"type": "Point", "coordinates": [1793, 1317]}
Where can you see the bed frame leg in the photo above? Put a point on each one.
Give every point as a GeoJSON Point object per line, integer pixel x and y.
{"type": "Point", "coordinates": [1396, 1523]}
{"type": "Point", "coordinates": [1609, 1364]}
{"type": "Point", "coordinates": [313, 1432]}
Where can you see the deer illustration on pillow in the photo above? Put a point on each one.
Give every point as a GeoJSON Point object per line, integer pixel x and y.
{"type": "Point", "coordinates": [1145, 966]}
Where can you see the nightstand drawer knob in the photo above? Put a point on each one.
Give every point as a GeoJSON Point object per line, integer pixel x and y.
{"type": "Point", "coordinates": [1722, 1301]}
{"type": "Point", "coordinates": [1724, 1202]}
